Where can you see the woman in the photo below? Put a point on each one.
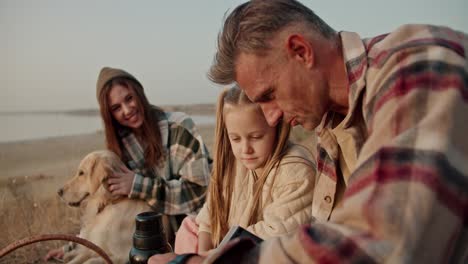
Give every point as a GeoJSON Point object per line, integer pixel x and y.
{"type": "Point", "coordinates": [168, 163]}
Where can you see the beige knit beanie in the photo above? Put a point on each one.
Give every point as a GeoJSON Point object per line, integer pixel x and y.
{"type": "Point", "coordinates": [108, 73]}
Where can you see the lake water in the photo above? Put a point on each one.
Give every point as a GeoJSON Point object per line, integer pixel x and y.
{"type": "Point", "coordinates": [18, 127]}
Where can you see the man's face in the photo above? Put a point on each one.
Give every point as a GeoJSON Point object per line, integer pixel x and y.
{"type": "Point", "coordinates": [284, 87]}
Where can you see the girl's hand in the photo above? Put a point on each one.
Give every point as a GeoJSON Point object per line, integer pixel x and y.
{"type": "Point", "coordinates": [165, 258]}
{"type": "Point", "coordinates": [206, 253]}
{"type": "Point", "coordinates": [120, 183]}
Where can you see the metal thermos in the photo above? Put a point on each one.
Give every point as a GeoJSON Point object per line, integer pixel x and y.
{"type": "Point", "coordinates": [149, 238]}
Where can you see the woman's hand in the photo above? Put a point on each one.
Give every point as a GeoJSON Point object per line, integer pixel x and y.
{"type": "Point", "coordinates": [54, 254]}
{"type": "Point", "coordinates": [120, 182]}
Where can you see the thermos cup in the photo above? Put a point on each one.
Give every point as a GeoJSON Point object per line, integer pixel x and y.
{"type": "Point", "coordinates": [149, 238]}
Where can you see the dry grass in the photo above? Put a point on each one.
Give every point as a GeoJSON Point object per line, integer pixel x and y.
{"type": "Point", "coordinates": [24, 216]}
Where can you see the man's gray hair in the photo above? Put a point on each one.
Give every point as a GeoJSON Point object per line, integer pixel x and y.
{"type": "Point", "coordinates": [251, 26]}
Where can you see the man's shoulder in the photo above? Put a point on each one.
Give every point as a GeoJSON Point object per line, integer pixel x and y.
{"type": "Point", "coordinates": [408, 50]}
{"type": "Point", "coordinates": [416, 35]}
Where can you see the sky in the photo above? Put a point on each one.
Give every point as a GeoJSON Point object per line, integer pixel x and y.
{"type": "Point", "coordinates": [51, 51]}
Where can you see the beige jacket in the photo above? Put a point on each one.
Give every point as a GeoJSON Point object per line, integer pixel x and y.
{"type": "Point", "coordinates": [289, 204]}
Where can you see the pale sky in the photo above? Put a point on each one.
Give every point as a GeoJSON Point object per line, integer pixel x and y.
{"type": "Point", "coordinates": [51, 51]}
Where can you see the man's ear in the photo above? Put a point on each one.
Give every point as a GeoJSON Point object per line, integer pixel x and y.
{"type": "Point", "coordinates": [300, 49]}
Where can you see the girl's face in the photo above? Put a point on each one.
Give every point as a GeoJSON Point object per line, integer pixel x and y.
{"type": "Point", "coordinates": [252, 139]}
{"type": "Point", "coordinates": [124, 106]}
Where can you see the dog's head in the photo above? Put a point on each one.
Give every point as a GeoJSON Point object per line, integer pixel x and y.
{"type": "Point", "coordinates": [90, 180]}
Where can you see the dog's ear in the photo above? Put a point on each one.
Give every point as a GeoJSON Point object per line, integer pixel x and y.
{"type": "Point", "coordinates": [92, 165]}
{"type": "Point", "coordinates": [110, 168]}
{"type": "Point", "coordinates": [105, 196]}
{"type": "Point", "coordinates": [108, 172]}
{"type": "Point", "coordinates": [104, 183]}
{"type": "Point", "coordinates": [96, 172]}
{"type": "Point", "coordinates": [104, 171]}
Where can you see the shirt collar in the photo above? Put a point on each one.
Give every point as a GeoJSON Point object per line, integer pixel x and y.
{"type": "Point", "coordinates": [355, 59]}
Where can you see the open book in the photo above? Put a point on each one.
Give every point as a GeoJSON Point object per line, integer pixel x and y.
{"type": "Point", "coordinates": [237, 231]}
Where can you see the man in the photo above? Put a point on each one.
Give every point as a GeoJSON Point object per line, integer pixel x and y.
{"type": "Point", "coordinates": [389, 114]}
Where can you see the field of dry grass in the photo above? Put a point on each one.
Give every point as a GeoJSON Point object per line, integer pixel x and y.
{"type": "Point", "coordinates": [31, 173]}
{"type": "Point", "coordinates": [27, 216]}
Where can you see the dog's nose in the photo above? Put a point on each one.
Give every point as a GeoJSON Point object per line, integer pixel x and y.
{"type": "Point", "coordinates": [60, 192]}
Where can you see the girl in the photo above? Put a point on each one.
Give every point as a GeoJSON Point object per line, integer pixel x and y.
{"type": "Point", "coordinates": [260, 180]}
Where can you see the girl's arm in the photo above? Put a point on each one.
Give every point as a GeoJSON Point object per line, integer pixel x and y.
{"type": "Point", "coordinates": [204, 242]}
{"type": "Point", "coordinates": [204, 229]}
{"type": "Point", "coordinates": [292, 196]}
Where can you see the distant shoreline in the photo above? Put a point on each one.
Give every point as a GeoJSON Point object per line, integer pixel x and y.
{"type": "Point", "coordinates": [191, 109]}
{"type": "Point", "coordinates": [27, 125]}
{"type": "Point", "coordinates": [59, 155]}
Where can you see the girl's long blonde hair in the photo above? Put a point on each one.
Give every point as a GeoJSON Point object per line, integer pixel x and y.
{"type": "Point", "coordinates": [222, 177]}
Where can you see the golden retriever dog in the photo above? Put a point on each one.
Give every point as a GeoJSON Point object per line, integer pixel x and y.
{"type": "Point", "coordinates": [106, 220]}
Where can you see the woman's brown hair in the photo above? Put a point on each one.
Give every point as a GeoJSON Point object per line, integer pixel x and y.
{"type": "Point", "coordinates": [149, 132]}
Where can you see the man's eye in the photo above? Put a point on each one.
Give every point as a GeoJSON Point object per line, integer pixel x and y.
{"type": "Point", "coordinates": [80, 173]}
{"type": "Point", "coordinates": [267, 97]}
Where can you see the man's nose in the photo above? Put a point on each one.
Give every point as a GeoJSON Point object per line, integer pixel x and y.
{"type": "Point", "coordinates": [272, 114]}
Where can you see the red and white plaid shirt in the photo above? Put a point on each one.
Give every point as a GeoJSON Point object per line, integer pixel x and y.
{"type": "Point", "coordinates": [402, 150]}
